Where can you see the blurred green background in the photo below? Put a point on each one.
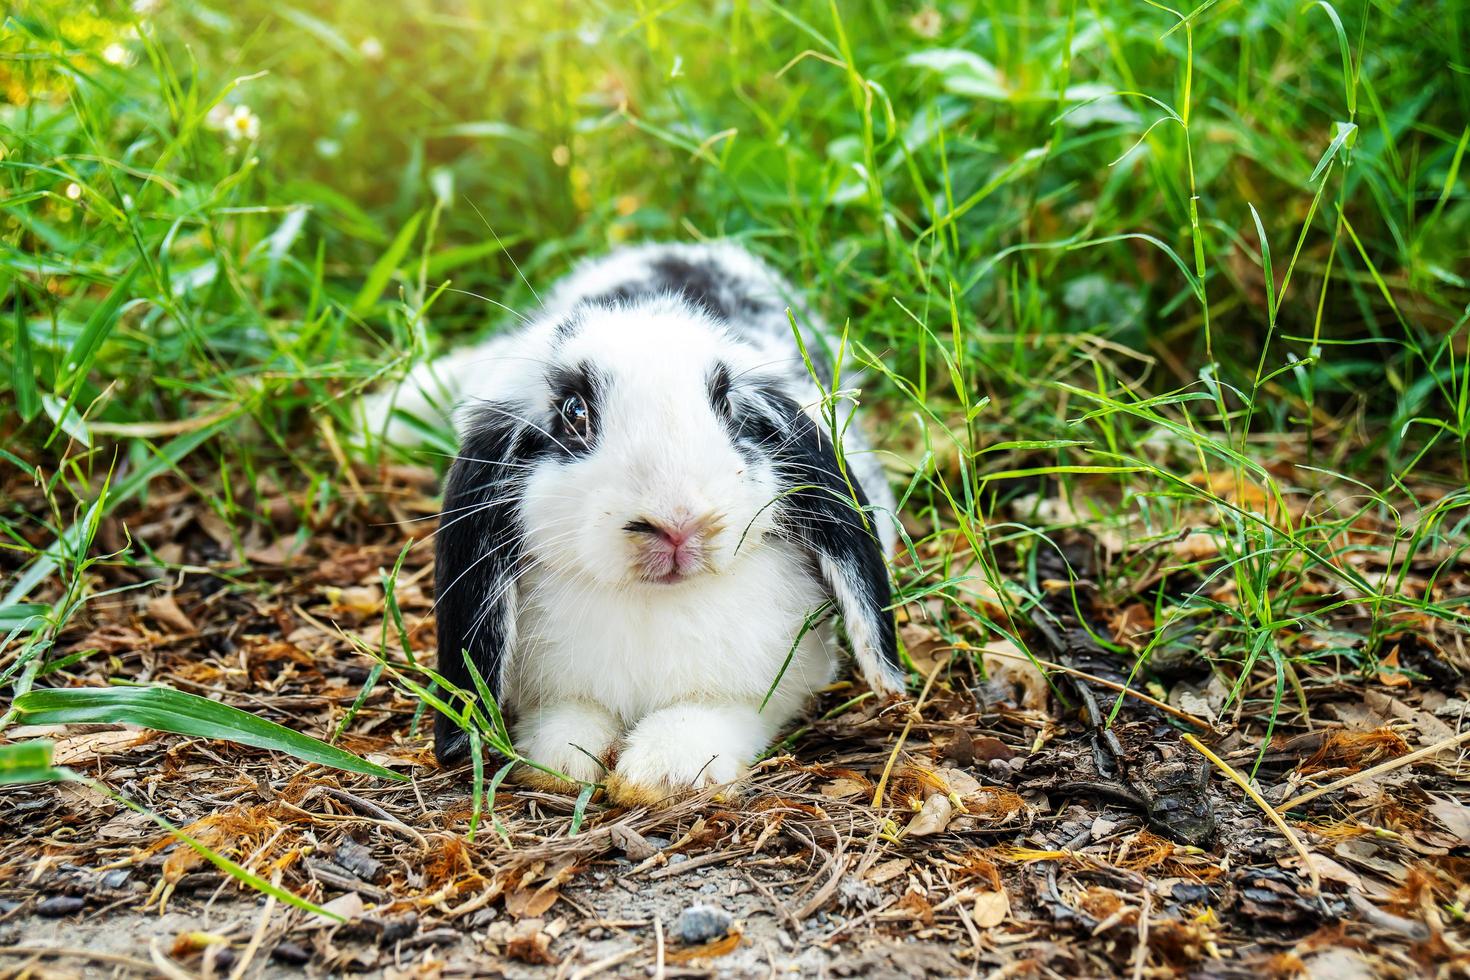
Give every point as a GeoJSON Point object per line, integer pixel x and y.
{"type": "Point", "coordinates": [883, 155]}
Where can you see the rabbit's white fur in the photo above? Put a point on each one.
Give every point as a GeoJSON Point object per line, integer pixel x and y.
{"type": "Point", "coordinates": [597, 664]}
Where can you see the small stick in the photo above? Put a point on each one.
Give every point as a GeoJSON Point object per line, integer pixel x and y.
{"type": "Point", "coordinates": [1378, 770]}
{"type": "Point", "coordinates": [165, 966]}
{"type": "Point", "coordinates": [260, 929]}
{"type": "Point", "coordinates": [606, 963]}
{"type": "Point", "coordinates": [903, 735]}
{"type": "Point", "coordinates": [1140, 958]}
{"type": "Point", "coordinates": [658, 952]}
{"type": "Point", "coordinates": [1260, 801]}
{"type": "Point", "coordinates": [45, 952]}
{"type": "Point", "coordinates": [1199, 723]}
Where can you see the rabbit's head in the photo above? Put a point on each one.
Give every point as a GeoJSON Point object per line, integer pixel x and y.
{"type": "Point", "coordinates": [657, 456]}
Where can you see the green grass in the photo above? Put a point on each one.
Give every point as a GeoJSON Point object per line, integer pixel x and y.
{"type": "Point", "coordinates": [1109, 254]}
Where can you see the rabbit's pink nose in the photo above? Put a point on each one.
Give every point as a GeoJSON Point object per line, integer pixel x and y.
{"type": "Point", "coordinates": [678, 532]}
{"type": "Point", "coordinates": [675, 531]}
{"type": "Point", "coordinates": [672, 548]}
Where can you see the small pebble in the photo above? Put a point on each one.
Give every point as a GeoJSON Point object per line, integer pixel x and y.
{"type": "Point", "coordinates": [399, 928]}
{"type": "Point", "coordinates": [1188, 891]}
{"type": "Point", "coordinates": [291, 953]}
{"type": "Point", "coordinates": [116, 878]}
{"type": "Point", "coordinates": [59, 905]}
{"type": "Point", "coordinates": [678, 858]}
{"type": "Point", "coordinates": [658, 842]}
{"type": "Point", "coordinates": [597, 932]}
{"type": "Point", "coordinates": [702, 924]}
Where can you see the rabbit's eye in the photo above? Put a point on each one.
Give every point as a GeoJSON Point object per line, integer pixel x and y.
{"type": "Point", "coordinates": [577, 418]}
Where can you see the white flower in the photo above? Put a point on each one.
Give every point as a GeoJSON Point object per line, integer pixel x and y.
{"type": "Point", "coordinates": [238, 122]}
{"type": "Point", "coordinates": [243, 124]}
{"type": "Point", "coordinates": [927, 23]}
{"type": "Point", "coordinates": [73, 191]}
{"type": "Point", "coordinates": [116, 54]}
{"type": "Point", "coordinates": [370, 48]}
{"type": "Point", "coordinates": [144, 7]}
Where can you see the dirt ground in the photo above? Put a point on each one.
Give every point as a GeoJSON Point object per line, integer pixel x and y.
{"type": "Point", "coordinates": [995, 824]}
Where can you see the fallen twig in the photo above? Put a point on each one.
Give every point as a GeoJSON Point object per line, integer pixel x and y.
{"type": "Point", "coordinates": [903, 735]}
{"type": "Point", "coordinates": [1260, 801]}
{"type": "Point", "coordinates": [1377, 770]}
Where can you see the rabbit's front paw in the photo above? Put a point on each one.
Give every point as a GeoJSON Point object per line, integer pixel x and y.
{"type": "Point", "coordinates": [683, 748]}
{"type": "Point", "coordinates": [575, 738]}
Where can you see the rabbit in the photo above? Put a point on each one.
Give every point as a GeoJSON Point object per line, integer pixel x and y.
{"type": "Point", "coordinates": [647, 518]}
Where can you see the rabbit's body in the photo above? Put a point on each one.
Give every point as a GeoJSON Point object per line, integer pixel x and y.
{"type": "Point", "coordinates": [645, 516]}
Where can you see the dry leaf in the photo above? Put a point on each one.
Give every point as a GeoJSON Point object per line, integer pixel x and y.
{"type": "Point", "coordinates": [920, 906]}
{"type": "Point", "coordinates": [1132, 624]}
{"type": "Point", "coordinates": [718, 947]}
{"type": "Point", "coordinates": [349, 906]}
{"type": "Point", "coordinates": [166, 612]}
{"type": "Point", "coordinates": [1454, 816]}
{"type": "Point", "coordinates": [83, 799]}
{"type": "Point", "coordinates": [279, 552]}
{"type": "Point", "coordinates": [1326, 868]}
{"type": "Point", "coordinates": [1392, 677]}
{"type": "Point", "coordinates": [960, 782]}
{"type": "Point", "coordinates": [189, 943]}
{"type": "Point", "coordinates": [933, 818]}
{"type": "Point", "coordinates": [844, 788]}
{"type": "Point", "coordinates": [1197, 546]}
{"type": "Point", "coordinates": [530, 943]}
{"type": "Point", "coordinates": [74, 749]}
{"type": "Point", "coordinates": [632, 843]}
{"type": "Point", "coordinates": [988, 747]}
{"type": "Point", "coordinates": [991, 908]}
{"type": "Point", "coordinates": [1010, 670]}
{"type": "Point", "coordinates": [531, 902]}
{"type": "Point", "coordinates": [886, 871]}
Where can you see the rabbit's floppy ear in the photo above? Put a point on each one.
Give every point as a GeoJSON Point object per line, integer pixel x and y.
{"type": "Point", "coordinates": [478, 554]}
{"type": "Point", "coordinates": [825, 511]}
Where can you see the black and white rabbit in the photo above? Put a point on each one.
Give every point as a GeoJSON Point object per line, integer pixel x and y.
{"type": "Point", "coordinates": [645, 511]}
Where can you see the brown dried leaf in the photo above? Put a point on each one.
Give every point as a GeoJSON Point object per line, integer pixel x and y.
{"type": "Point", "coordinates": [349, 906]}
{"type": "Point", "coordinates": [530, 943]}
{"type": "Point", "coordinates": [988, 747]}
{"type": "Point", "coordinates": [886, 871]}
{"type": "Point", "coordinates": [933, 818]}
{"type": "Point", "coordinates": [1389, 674]}
{"type": "Point", "coordinates": [1132, 624]}
{"type": "Point", "coordinates": [166, 612]}
{"type": "Point", "coordinates": [1326, 868]}
{"type": "Point", "coordinates": [73, 749]}
{"type": "Point", "coordinates": [991, 908]}
{"type": "Point", "coordinates": [719, 947]}
{"type": "Point", "coordinates": [1008, 667]}
{"type": "Point", "coordinates": [1455, 817]}
{"type": "Point", "coordinates": [279, 552]}
{"type": "Point", "coordinates": [921, 907]}
{"type": "Point", "coordinates": [531, 903]}
{"type": "Point", "coordinates": [632, 843]}
{"type": "Point", "coordinates": [845, 788]}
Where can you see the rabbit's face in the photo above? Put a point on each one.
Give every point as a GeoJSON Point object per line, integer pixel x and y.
{"type": "Point", "coordinates": [653, 472]}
